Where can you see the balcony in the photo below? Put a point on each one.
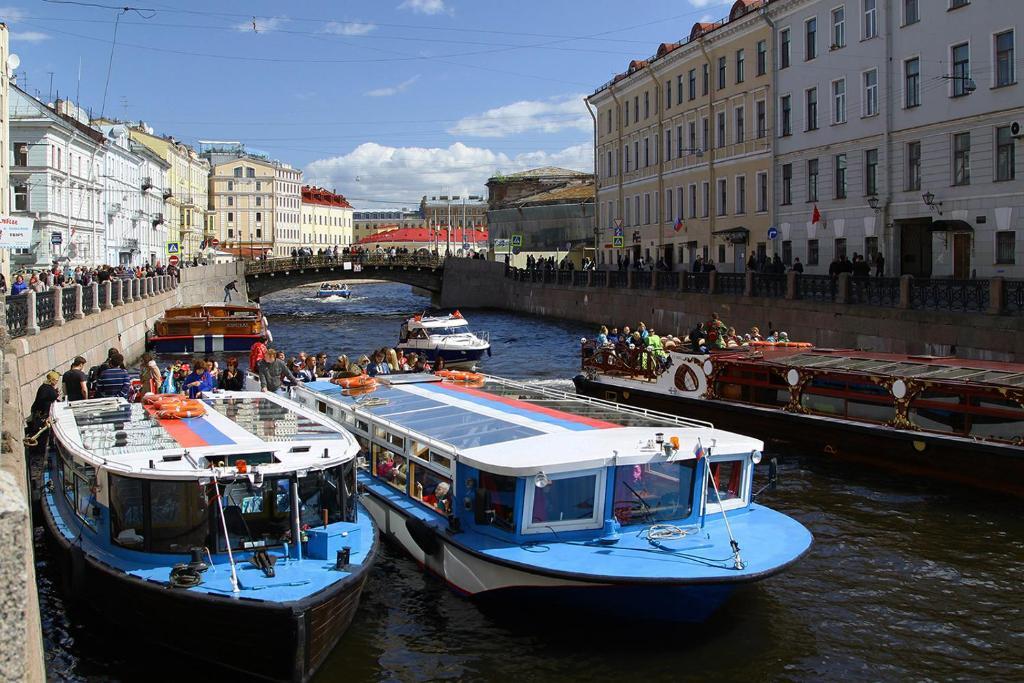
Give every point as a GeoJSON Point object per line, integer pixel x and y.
{"type": "Point", "coordinates": [168, 193]}
{"type": "Point", "coordinates": [147, 183]}
{"type": "Point", "coordinates": [158, 219]}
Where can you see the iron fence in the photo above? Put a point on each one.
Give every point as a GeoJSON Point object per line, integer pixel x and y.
{"type": "Point", "coordinates": [731, 283]}
{"type": "Point", "coordinates": [668, 280]}
{"type": "Point", "coordinates": [564, 277]}
{"type": "Point", "coordinates": [949, 295]}
{"type": "Point", "coordinates": [616, 278]}
{"type": "Point", "coordinates": [816, 287]}
{"type": "Point", "coordinates": [1014, 296]}
{"type": "Point", "coordinates": [769, 284]}
{"type": "Point", "coordinates": [46, 311]}
{"type": "Point", "coordinates": [599, 278]}
{"type": "Point", "coordinates": [17, 315]}
{"type": "Point", "coordinates": [642, 279]}
{"type": "Point", "coordinates": [696, 282]}
{"type": "Point", "coordinates": [272, 265]}
{"type": "Point", "coordinates": [87, 299]}
{"type": "Point", "coordinates": [68, 302]}
{"type": "Point", "coordinates": [877, 291]}
{"type": "Point", "coordinates": [579, 278]}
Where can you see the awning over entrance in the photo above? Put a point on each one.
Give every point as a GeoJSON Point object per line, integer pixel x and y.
{"type": "Point", "coordinates": [734, 235]}
{"type": "Point", "coordinates": [950, 226]}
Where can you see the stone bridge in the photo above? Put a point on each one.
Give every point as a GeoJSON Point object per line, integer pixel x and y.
{"type": "Point", "coordinates": [273, 275]}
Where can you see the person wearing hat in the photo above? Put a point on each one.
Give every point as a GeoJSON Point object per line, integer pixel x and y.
{"type": "Point", "coordinates": [39, 413]}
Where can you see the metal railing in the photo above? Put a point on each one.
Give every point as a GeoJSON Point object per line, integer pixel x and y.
{"type": "Point", "coordinates": [668, 280]}
{"type": "Point", "coordinates": [731, 283]}
{"type": "Point", "coordinates": [642, 279]}
{"type": "Point", "coordinates": [697, 282]}
{"type": "Point", "coordinates": [599, 278]}
{"type": "Point", "coordinates": [949, 295]}
{"type": "Point", "coordinates": [816, 287]}
{"type": "Point", "coordinates": [1013, 291]}
{"type": "Point", "coordinates": [68, 302]}
{"type": "Point", "coordinates": [617, 278]}
{"type": "Point", "coordinates": [46, 312]}
{"type": "Point", "coordinates": [579, 278]}
{"type": "Point", "coordinates": [17, 315]}
{"type": "Point", "coordinates": [877, 291]}
{"type": "Point", "coordinates": [769, 284]}
{"type": "Point", "coordinates": [87, 299]}
{"type": "Point", "coordinates": [564, 277]}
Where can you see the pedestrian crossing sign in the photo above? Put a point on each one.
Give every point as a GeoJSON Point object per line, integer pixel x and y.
{"type": "Point", "coordinates": [617, 241]}
{"type": "Point", "coordinates": [517, 240]}
{"type": "Point", "coordinates": [173, 248]}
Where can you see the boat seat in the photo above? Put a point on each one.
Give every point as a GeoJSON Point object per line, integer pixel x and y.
{"type": "Point", "coordinates": [238, 529]}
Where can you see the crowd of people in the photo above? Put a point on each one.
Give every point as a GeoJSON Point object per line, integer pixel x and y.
{"type": "Point", "coordinates": [57, 276]}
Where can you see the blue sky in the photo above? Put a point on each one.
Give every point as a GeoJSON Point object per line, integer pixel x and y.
{"type": "Point", "coordinates": [384, 100]}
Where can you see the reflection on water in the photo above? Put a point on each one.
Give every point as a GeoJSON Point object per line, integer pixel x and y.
{"type": "Point", "coordinates": [906, 580]}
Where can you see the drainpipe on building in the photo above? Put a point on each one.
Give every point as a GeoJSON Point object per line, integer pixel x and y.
{"type": "Point", "coordinates": [661, 162]}
{"type": "Point", "coordinates": [710, 154]}
{"type": "Point", "coordinates": [886, 246]}
{"type": "Point", "coordinates": [770, 129]}
{"type": "Point", "coordinates": [618, 149]}
{"type": "Point", "coordinates": [597, 178]}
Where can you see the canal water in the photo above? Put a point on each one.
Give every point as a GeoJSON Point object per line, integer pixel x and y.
{"type": "Point", "coordinates": [906, 580]}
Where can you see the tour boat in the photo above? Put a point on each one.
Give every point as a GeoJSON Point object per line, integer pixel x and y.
{"type": "Point", "coordinates": [447, 337]}
{"type": "Point", "coordinates": [955, 419]}
{"type": "Point", "coordinates": [332, 289]}
{"type": "Point", "coordinates": [209, 328]}
{"type": "Point", "coordinates": [235, 537]}
{"type": "Point", "coordinates": [506, 490]}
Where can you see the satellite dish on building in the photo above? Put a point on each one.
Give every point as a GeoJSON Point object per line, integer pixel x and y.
{"type": "Point", "coordinates": [13, 62]}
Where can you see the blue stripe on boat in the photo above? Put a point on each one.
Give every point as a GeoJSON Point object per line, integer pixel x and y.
{"type": "Point", "coordinates": [523, 410]}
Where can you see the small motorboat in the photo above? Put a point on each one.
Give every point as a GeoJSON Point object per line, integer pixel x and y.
{"type": "Point", "coordinates": [236, 514]}
{"type": "Point", "coordinates": [328, 290]}
{"type": "Point", "coordinates": [543, 498]}
{"type": "Point", "coordinates": [447, 337]}
{"type": "Point", "coordinates": [209, 328]}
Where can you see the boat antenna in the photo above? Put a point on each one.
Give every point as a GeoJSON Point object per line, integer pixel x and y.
{"type": "Point", "coordinates": [227, 540]}
{"type": "Point", "coordinates": [737, 561]}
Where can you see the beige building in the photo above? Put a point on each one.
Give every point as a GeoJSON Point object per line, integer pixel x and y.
{"type": "Point", "coordinates": [683, 147]}
{"type": "Point", "coordinates": [326, 219]}
{"type": "Point", "coordinates": [255, 206]}
{"type": "Point", "coordinates": [5, 154]}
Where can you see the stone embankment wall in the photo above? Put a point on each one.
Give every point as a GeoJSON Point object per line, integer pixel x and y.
{"type": "Point", "coordinates": [25, 361]}
{"type": "Point", "coordinates": [472, 283]}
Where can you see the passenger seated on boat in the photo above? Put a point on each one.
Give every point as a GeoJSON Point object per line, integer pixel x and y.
{"type": "Point", "coordinates": [602, 336]}
{"type": "Point", "coordinates": [442, 501]}
{"type": "Point", "coordinates": [697, 337]}
{"type": "Point", "coordinates": [755, 334]}
{"type": "Point", "coordinates": [613, 336]}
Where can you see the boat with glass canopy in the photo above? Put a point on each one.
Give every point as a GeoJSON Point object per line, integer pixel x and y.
{"type": "Point", "coordinates": [234, 537]}
{"type": "Point", "coordinates": [510, 490]}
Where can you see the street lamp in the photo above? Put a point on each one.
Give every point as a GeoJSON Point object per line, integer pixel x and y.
{"type": "Point", "coordinates": [929, 201]}
{"type": "Point", "coordinates": [874, 204]}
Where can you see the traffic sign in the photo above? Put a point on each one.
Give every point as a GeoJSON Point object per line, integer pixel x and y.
{"type": "Point", "coordinates": [173, 259]}
{"type": "Point", "coordinates": [500, 243]}
{"type": "Point", "coordinates": [56, 238]}
{"type": "Point", "coordinates": [173, 248]}
{"type": "Point", "coordinates": [773, 232]}
{"type": "Point", "coordinates": [517, 240]}
{"type": "Point", "coordinates": [618, 223]}
{"type": "Point", "coordinates": [617, 241]}
{"type": "Point", "coordinates": [214, 242]}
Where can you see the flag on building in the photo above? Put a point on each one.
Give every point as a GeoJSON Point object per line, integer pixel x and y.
{"type": "Point", "coordinates": [679, 224]}
{"type": "Point", "coordinates": [815, 215]}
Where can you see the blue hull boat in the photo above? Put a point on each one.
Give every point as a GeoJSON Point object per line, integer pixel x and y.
{"type": "Point", "coordinates": [510, 491]}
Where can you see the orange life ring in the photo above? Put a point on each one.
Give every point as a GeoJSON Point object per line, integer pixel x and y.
{"type": "Point", "coordinates": [355, 382]}
{"type": "Point", "coordinates": [359, 391]}
{"type": "Point", "coordinates": [460, 376]}
{"type": "Point", "coordinates": [181, 412]}
{"type": "Point", "coordinates": [156, 399]}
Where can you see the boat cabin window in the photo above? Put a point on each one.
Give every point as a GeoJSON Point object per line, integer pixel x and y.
{"type": "Point", "coordinates": [78, 482]}
{"type": "Point", "coordinates": [442, 331]}
{"type": "Point", "coordinates": [996, 418]}
{"type": "Point", "coordinates": [158, 516]}
{"type": "Point", "coordinates": [417, 334]}
{"type": "Point", "coordinates": [432, 489]}
{"type": "Point", "coordinates": [495, 501]}
{"type": "Point", "coordinates": [569, 501]}
{"type": "Point", "coordinates": [440, 460]}
{"type": "Point", "coordinates": [728, 476]}
{"type": "Point", "coordinates": [391, 467]}
{"type": "Point", "coordinates": [654, 492]}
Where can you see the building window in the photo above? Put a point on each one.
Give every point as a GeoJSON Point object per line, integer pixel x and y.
{"type": "Point", "coordinates": [238, 172]}
{"type": "Point", "coordinates": [668, 145]}
{"type": "Point", "coordinates": [679, 89]}
{"type": "Point", "coordinates": [812, 180]}
{"type": "Point", "coordinates": [913, 166]}
{"type": "Point", "coordinates": [784, 48]}
{"type": "Point", "coordinates": [840, 248]}
{"type": "Point", "coordinates": [812, 252]}
{"type": "Point", "coordinates": [706, 192]}
{"type": "Point", "coordinates": [954, 4]}
{"type": "Point", "coordinates": [723, 198]}
{"type": "Point", "coordinates": [762, 192]}
{"type": "Point", "coordinates": [647, 209]}
{"type": "Point", "coordinates": [669, 213]}
{"type": "Point", "coordinates": [259, 201]}
{"type": "Point", "coordinates": [911, 15]}
{"type": "Point", "coordinates": [609, 171]}
{"type": "Point", "coordinates": [787, 253]}
{"type": "Point", "coordinates": [647, 152]}
{"type": "Point", "coordinates": [704, 134]}
{"type": "Point", "coordinates": [692, 87]}
{"type": "Point", "coordinates": [704, 79]}
{"type": "Point", "coordinates": [812, 108]}
{"type": "Point", "coordinates": [810, 39]}
{"type": "Point", "coordinates": [721, 129]}
{"type": "Point", "coordinates": [231, 201]}
{"type": "Point", "coordinates": [1006, 246]}
{"type": "Point", "coordinates": [871, 172]}
{"type": "Point", "coordinates": [636, 210]}
{"type": "Point", "coordinates": [739, 66]}
{"type": "Point", "coordinates": [636, 154]}
{"type": "Point", "coordinates": [786, 115]}
{"type": "Point", "coordinates": [250, 172]}
{"type": "Point", "coordinates": [626, 125]}
{"type": "Point", "coordinates": [668, 94]}
{"type": "Point", "coordinates": [693, 201]}
{"type": "Point", "coordinates": [912, 82]}
{"type": "Point", "coordinates": [787, 184]}
{"type": "Point", "coordinates": [636, 108]}
{"type": "Point", "coordinates": [740, 135]}
{"type": "Point", "coordinates": [961, 57]}
{"type": "Point", "coordinates": [1004, 58]}
{"type": "Point", "coordinates": [231, 217]}
{"type": "Point", "coordinates": [259, 186]}
{"type": "Point", "coordinates": [762, 57]}
{"type": "Point", "coordinates": [839, 101]}
{"type": "Point", "coordinates": [870, 248]}
{"type": "Point", "coordinates": [1005, 157]}
{"type": "Point", "coordinates": [870, 92]}
{"type": "Point", "coordinates": [962, 159]}
{"type": "Point", "coordinates": [625, 154]}
{"type": "Point", "coordinates": [838, 28]}
{"type": "Point", "coordinates": [840, 164]}
{"type": "Point", "coordinates": [259, 217]}
{"type": "Point", "coordinates": [608, 118]}
{"type": "Point", "coordinates": [741, 194]}
{"type": "Point", "coordinates": [693, 136]}
{"type": "Point", "coordinates": [870, 19]}
{"type": "Point", "coordinates": [721, 73]}
{"type": "Point", "coordinates": [647, 104]}
{"type": "Point", "coordinates": [21, 197]}
{"type": "Point", "coordinates": [761, 108]}
{"type": "Point", "coordinates": [679, 141]}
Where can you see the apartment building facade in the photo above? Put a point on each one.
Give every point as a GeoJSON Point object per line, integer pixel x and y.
{"type": "Point", "coordinates": [683, 148]}
{"type": "Point", "coordinates": [287, 202]}
{"type": "Point", "coordinates": [241, 192]}
{"type": "Point", "coordinates": [5, 151]}
{"type": "Point", "coordinates": [326, 219]}
{"type": "Point", "coordinates": [896, 119]}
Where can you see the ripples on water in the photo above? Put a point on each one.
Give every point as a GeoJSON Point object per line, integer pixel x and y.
{"type": "Point", "coordinates": [906, 580]}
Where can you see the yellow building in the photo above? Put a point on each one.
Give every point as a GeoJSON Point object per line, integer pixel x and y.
{"type": "Point", "coordinates": [683, 147]}
{"type": "Point", "coordinates": [326, 219]}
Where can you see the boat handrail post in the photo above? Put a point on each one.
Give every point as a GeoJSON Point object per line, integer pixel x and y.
{"type": "Point", "coordinates": [227, 539]}
{"type": "Point", "coordinates": [296, 526]}
{"type": "Point", "coordinates": [737, 561]}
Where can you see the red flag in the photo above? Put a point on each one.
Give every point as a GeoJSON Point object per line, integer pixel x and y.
{"type": "Point", "coordinates": [815, 215]}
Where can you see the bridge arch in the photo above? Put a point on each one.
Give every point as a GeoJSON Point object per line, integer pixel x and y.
{"type": "Point", "coordinates": [277, 274]}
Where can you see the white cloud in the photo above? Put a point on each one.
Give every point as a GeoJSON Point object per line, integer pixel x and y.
{"type": "Point", "coordinates": [399, 176]}
{"type": "Point", "coordinates": [11, 15]}
{"type": "Point", "coordinates": [30, 36]}
{"type": "Point", "coordinates": [709, 3]}
{"type": "Point", "coordinates": [393, 89]}
{"type": "Point", "coordinates": [545, 116]}
{"type": "Point", "coordinates": [425, 6]}
{"type": "Point", "coordinates": [261, 24]}
{"type": "Point", "coordinates": [349, 28]}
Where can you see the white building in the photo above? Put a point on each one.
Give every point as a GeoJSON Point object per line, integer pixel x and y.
{"type": "Point", "coordinates": [154, 232]}
{"type": "Point", "coordinates": [122, 198]}
{"type": "Point", "coordinates": [55, 179]}
{"type": "Point", "coordinates": [5, 154]}
{"type": "Point", "coordinates": [894, 117]}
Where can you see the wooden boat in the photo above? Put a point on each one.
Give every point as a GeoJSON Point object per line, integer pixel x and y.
{"type": "Point", "coordinates": [207, 328]}
{"type": "Point", "coordinates": [949, 418]}
{"type": "Point", "coordinates": [243, 522]}
{"type": "Point", "coordinates": [561, 503]}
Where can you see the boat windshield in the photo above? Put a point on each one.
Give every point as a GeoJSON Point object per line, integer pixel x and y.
{"type": "Point", "coordinates": [445, 331]}
{"type": "Point", "coordinates": [654, 492]}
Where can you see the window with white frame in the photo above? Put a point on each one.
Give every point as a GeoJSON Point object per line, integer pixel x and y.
{"type": "Point", "coordinates": [911, 12]}
{"type": "Point", "coordinates": [726, 484]}
{"type": "Point", "coordinates": [721, 129]}
{"type": "Point", "coordinates": [870, 20]}
{"type": "Point", "coordinates": [669, 213]}
{"type": "Point", "coordinates": [871, 172]}
{"type": "Point", "coordinates": [679, 89]}
{"type": "Point", "coordinates": [912, 82]}
{"type": "Point", "coordinates": [762, 192]}
{"type": "Point", "coordinates": [787, 184]}
{"type": "Point", "coordinates": [1005, 156]}
{"type": "Point", "coordinates": [647, 209]}
{"type": "Point", "coordinates": [960, 57]}
{"type": "Point", "coordinates": [839, 162]}
{"type": "Point", "coordinates": [839, 101]}
{"type": "Point", "coordinates": [785, 115]}
{"type": "Point", "coordinates": [913, 180]}
{"type": "Point", "coordinates": [784, 48]}
{"type": "Point", "coordinates": [739, 135]}
{"type": "Point", "coordinates": [706, 196]}
{"type": "Point", "coordinates": [693, 201]}
{"type": "Point", "coordinates": [1006, 247]}
{"type": "Point", "coordinates": [721, 72]}
{"type": "Point", "coordinates": [1005, 72]}
{"type": "Point", "coordinates": [811, 108]}
{"type": "Point", "coordinates": [723, 196]}
{"type": "Point", "coordinates": [871, 92]}
{"type": "Point", "coordinates": [741, 195]}
{"type": "Point", "coordinates": [571, 500]}
{"type": "Point", "coordinates": [740, 64]}
{"type": "Point", "coordinates": [838, 27]}
{"type": "Point", "coordinates": [962, 159]}
{"type": "Point", "coordinates": [810, 39]}
{"type": "Point", "coordinates": [668, 144]}
{"type": "Point", "coordinates": [762, 57]}
{"type": "Point", "coordinates": [812, 180]}
{"type": "Point", "coordinates": [679, 141]}
{"type": "Point", "coordinates": [760, 112]}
